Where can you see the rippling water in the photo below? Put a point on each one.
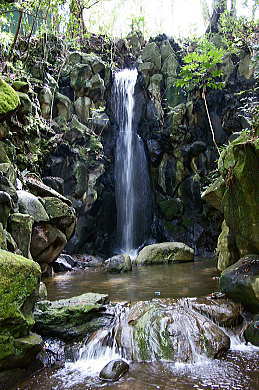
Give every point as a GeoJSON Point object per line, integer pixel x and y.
{"type": "Point", "coordinates": [237, 370]}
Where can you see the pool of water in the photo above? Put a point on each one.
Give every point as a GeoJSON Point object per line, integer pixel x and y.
{"type": "Point", "coordinates": [192, 279]}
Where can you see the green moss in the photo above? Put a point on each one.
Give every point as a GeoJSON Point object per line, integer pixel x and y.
{"type": "Point", "coordinates": [9, 99]}
{"type": "Point", "coordinates": [19, 278]}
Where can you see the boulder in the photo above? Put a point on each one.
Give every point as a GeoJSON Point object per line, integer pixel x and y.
{"type": "Point", "coordinates": [47, 242]}
{"type": "Point", "coordinates": [119, 263]}
{"type": "Point", "coordinates": [45, 99]}
{"type": "Point", "coordinates": [251, 334]}
{"type": "Point", "coordinates": [114, 370]}
{"type": "Point", "coordinates": [164, 253]}
{"type": "Point", "coordinates": [19, 283]}
{"type": "Point", "coordinates": [9, 100]}
{"type": "Point", "coordinates": [72, 318]}
{"type": "Point", "coordinates": [31, 205]}
{"type": "Point", "coordinates": [240, 282]}
{"type": "Point", "coordinates": [64, 263]}
{"type": "Point", "coordinates": [64, 107]}
{"type": "Point", "coordinates": [20, 227]}
{"type": "Point", "coordinates": [38, 188]}
{"type": "Point", "coordinates": [154, 330]}
{"type": "Point", "coordinates": [9, 172]}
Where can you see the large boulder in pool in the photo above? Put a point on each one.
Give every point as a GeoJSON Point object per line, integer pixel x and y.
{"type": "Point", "coordinates": [72, 318]}
{"type": "Point", "coordinates": [168, 329]}
{"type": "Point", "coordinates": [119, 263]}
{"type": "Point", "coordinates": [240, 282]}
{"type": "Point", "coordinates": [164, 253]}
{"type": "Point", "coordinates": [19, 285]}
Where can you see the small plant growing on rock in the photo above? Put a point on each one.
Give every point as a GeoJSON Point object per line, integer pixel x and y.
{"type": "Point", "coordinates": [201, 71]}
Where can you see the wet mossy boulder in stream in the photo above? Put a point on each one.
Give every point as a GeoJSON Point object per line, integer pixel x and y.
{"type": "Point", "coordinates": [168, 329]}
{"type": "Point", "coordinates": [9, 100]}
{"type": "Point", "coordinates": [164, 253]}
{"type": "Point", "coordinates": [114, 370]}
{"type": "Point", "coordinates": [240, 282]}
{"type": "Point", "coordinates": [19, 284]}
{"type": "Point", "coordinates": [72, 318]}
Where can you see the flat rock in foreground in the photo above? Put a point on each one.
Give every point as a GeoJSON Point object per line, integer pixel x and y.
{"type": "Point", "coordinates": [72, 318]}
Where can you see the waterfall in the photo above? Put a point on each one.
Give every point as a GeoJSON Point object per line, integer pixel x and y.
{"type": "Point", "coordinates": [132, 184]}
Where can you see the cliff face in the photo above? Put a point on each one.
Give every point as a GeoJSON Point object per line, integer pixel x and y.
{"type": "Point", "coordinates": [64, 131]}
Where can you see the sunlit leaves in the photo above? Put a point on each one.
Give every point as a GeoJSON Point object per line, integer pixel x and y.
{"type": "Point", "coordinates": [201, 67]}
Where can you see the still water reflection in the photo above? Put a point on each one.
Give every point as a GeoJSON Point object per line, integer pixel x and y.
{"type": "Point", "coordinates": [193, 279]}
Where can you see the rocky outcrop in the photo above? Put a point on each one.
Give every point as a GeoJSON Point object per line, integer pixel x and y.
{"type": "Point", "coordinates": [164, 253]}
{"type": "Point", "coordinates": [240, 282]}
{"type": "Point", "coordinates": [236, 193]}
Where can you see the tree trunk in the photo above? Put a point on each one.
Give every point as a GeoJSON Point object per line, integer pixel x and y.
{"type": "Point", "coordinates": [219, 6]}
{"type": "Point", "coordinates": [16, 34]}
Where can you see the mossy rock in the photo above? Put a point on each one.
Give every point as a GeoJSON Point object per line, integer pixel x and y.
{"type": "Point", "coordinates": [171, 208]}
{"type": "Point", "coordinates": [160, 326]}
{"type": "Point", "coordinates": [164, 253]}
{"type": "Point", "coordinates": [19, 283]}
{"type": "Point", "coordinates": [9, 100]}
{"type": "Point", "coordinates": [21, 86]}
{"type": "Point", "coordinates": [240, 282]}
{"type": "Point", "coordinates": [237, 165]}
{"type": "Point", "coordinates": [71, 318]}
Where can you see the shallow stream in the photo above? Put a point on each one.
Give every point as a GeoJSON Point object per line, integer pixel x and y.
{"type": "Point", "coordinates": [237, 370]}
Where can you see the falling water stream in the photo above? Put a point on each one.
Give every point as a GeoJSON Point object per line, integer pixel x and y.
{"type": "Point", "coordinates": [132, 185]}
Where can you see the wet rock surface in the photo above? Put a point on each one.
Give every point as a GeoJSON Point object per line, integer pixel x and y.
{"type": "Point", "coordinates": [114, 370]}
{"type": "Point", "coordinates": [240, 282]}
{"type": "Point", "coordinates": [72, 318]}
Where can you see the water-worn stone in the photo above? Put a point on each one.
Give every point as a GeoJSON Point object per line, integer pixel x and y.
{"type": "Point", "coordinates": [19, 283]}
{"type": "Point", "coordinates": [119, 263]}
{"type": "Point", "coordinates": [114, 370]}
{"type": "Point", "coordinates": [154, 330]}
{"type": "Point", "coordinates": [64, 263]}
{"type": "Point", "coordinates": [165, 252]}
{"type": "Point", "coordinates": [214, 193]}
{"type": "Point", "coordinates": [72, 318]}
{"type": "Point", "coordinates": [240, 282]}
